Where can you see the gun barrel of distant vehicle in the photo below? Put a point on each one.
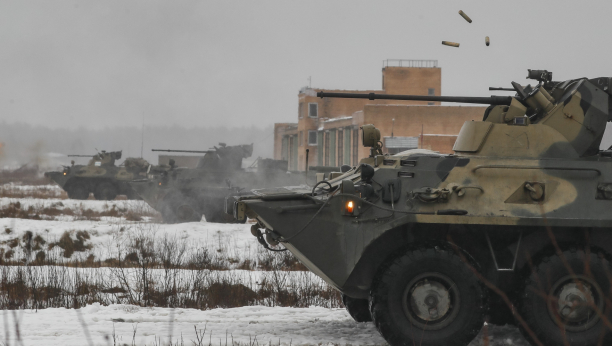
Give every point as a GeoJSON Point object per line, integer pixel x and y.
{"type": "Point", "coordinates": [502, 89]}
{"type": "Point", "coordinates": [184, 151]}
{"type": "Point", "coordinates": [80, 155]}
{"type": "Point", "coordinates": [492, 100]}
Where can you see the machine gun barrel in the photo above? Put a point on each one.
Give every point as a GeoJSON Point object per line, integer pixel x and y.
{"type": "Point", "coordinates": [80, 155]}
{"type": "Point", "coordinates": [185, 151]}
{"type": "Point", "coordinates": [492, 100]}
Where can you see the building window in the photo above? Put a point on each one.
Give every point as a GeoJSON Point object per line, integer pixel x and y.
{"type": "Point", "coordinates": [431, 92]}
{"type": "Point", "coordinates": [396, 144]}
{"type": "Point", "coordinates": [294, 154]}
{"type": "Point", "coordinates": [340, 147]}
{"type": "Point", "coordinates": [312, 137]}
{"type": "Point", "coordinates": [301, 110]}
{"type": "Point", "coordinates": [285, 148]}
{"type": "Point", "coordinates": [320, 149]}
{"type": "Point", "coordinates": [301, 138]}
{"type": "Point", "coordinates": [355, 147]}
{"type": "Point", "coordinates": [326, 148]}
{"type": "Point", "coordinates": [313, 110]}
{"type": "Point", "coordinates": [332, 148]}
{"type": "Point", "coordinates": [347, 145]}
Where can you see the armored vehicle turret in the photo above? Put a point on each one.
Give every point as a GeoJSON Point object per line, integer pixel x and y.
{"type": "Point", "coordinates": [100, 176]}
{"type": "Point", "coordinates": [514, 227]}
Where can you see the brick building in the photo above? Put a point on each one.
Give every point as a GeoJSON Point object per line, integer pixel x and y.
{"type": "Point", "coordinates": [329, 127]}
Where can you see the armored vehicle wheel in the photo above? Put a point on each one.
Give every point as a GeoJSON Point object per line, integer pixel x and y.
{"type": "Point", "coordinates": [359, 309]}
{"type": "Point", "coordinates": [77, 191]}
{"type": "Point", "coordinates": [105, 191]}
{"type": "Point", "coordinates": [177, 208]}
{"type": "Point", "coordinates": [428, 297]}
{"type": "Point", "coordinates": [564, 300]}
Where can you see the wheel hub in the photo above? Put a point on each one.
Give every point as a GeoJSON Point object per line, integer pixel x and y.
{"type": "Point", "coordinates": [575, 301]}
{"type": "Point", "coordinates": [430, 300]}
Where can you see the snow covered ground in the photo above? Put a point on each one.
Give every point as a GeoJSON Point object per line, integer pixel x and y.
{"type": "Point", "coordinates": [250, 325]}
{"type": "Point", "coordinates": [232, 240]}
{"type": "Point", "coordinates": [16, 189]}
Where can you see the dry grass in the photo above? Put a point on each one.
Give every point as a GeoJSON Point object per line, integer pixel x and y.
{"type": "Point", "coordinates": [151, 271]}
{"type": "Point", "coordinates": [41, 212]}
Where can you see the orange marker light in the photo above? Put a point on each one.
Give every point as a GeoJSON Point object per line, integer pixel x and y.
{"type": "Point", "coordinates": [64, 173]}
{"type": "Point", "coordinates": [349, 207]}
{"type": "Point", "coordinates": [159, 184]}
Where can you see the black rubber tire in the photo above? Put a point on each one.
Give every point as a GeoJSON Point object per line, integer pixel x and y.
{"type": "Point", "coordinates": [178, 208]}
{"type": "Point", "coordinates": [541, 282]}
{"type": "Point", "coordinates": [77, 191]}
{"type": "Point", "coordinates": [359, 309]}
{"type": "Point", "coordinates": [105, 191]}
{"type": "Point", "coordinates": [466, 311]}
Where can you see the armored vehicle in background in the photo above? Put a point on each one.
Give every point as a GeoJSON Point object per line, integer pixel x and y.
{"type": "Point", "coordinates": [516, 226]}
{"type": "Point", "coordinates": [100, 176]}
{"type": "Point", "coordinates": [185, 194]}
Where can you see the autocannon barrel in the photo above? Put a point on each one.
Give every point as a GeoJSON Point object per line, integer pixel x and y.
{"type": "Point", "coordinates": [492, 100]}
{"type": "Point", "coordinates": [184, 151]}
{"type": "Point", "coordinates": [80, 155]}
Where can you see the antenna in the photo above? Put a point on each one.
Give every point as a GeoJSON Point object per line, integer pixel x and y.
{"type": "Point", "coordinates": [310, 82]}
{"type": "Point", "coordinates": [392, 125]}
{"type": "Point", "coordinates": [142, 136]}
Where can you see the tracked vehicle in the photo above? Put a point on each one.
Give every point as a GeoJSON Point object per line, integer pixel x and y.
{"type": "Point", "coordinates": [100, 176]}
{"type": "Point", "coordinates": [515, 226]}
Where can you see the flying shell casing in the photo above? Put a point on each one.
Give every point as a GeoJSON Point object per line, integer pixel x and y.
{"type": "Point", "coordinates": [451, 44]}
{"type": "Point", "coordinates": [465, 16]}
{"type": "Point", "coordinates": [487, 41]}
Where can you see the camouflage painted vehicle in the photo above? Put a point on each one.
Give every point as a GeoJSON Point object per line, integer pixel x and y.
{"type": "Point", "coordinates": [185, 194]}
{"type": "Point", "coordinates": [516, 226]}
{"type": "Point", "coordinates": [100, 176]}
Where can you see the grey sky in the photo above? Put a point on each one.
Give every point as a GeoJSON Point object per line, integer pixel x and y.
{"type": "Point", "coordinates": [235, 63]}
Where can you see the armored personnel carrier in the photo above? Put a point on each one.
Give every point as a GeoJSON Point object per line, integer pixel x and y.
{"type": "Point", "coordinates": [516, 226]}
{"type": "Point", "coordinates": [185, 194]}
{"type": "Point", "coordinates": [100, 176]}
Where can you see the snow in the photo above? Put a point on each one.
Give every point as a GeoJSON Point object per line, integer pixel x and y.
{"type": "Point", "coordinates": [43, 190]}
{"type": "Point", "coordinates": [149, 326]}
{"type": "Point", "coordinates": [338, 119]}
{"type": "Point", "coordinates": [233, 239]}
